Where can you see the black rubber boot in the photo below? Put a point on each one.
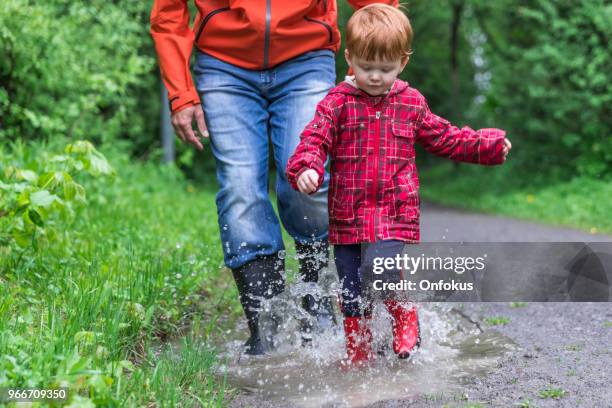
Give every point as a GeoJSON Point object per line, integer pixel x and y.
{"type": "Point", "coordinates": [312, 259]}
{"type": "Point", "coordinates": [260, 278]}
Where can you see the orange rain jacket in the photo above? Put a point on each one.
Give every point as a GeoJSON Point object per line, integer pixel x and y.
{"type": "Point", "coordinates": [252, 34]}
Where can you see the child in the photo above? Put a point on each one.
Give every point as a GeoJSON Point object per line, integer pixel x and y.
{"type": "Point", "coordinates": [368, 125]}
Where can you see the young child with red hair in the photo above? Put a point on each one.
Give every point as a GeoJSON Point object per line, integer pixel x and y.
{"type": "Point", "coordinates": [368, 125]}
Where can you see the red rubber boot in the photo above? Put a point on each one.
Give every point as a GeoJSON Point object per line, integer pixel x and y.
{"type": "Point", "coordinates": [358, 341]}
{"type": "Point", "coordinates": [406, 332]}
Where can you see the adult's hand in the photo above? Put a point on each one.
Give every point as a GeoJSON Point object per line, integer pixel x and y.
{"type": "Point", "coordinates": [182, 123]}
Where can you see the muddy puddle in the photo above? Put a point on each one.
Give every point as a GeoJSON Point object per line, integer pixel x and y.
{"type": "Point", "coordinates": [454, 349]}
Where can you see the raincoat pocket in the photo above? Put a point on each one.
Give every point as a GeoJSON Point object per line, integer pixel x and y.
{"type": "Point", "coordinates": [347, 138]}
{"type": "Point", "coordinates": [350, 131]}
{"type": "Point", "coordinates": [341, 205]}
{"type": "Point", "coordinates": [404, 130]}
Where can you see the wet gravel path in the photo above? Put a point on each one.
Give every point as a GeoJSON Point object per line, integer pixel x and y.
{"type": "Point", "coordinates": [563, 359]}
{"type": "Point", "coordinates": [440, 224]}
{"type": "Point", "coordinates": [564, 353]}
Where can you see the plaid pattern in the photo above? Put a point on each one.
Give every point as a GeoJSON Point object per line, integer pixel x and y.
{"type": "Point", "coordinates": [374, 189]}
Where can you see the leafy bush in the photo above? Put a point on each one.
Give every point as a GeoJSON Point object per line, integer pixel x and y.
{"type": "Point", "coordinates": [31, 194]}
{"type": "Point", "coordinates": [552, 83]}
{"type": "Point", "coordinates": [82, 70]}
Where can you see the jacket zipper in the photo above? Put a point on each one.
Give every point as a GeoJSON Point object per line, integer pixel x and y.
{"type": "Point", "coordinates": [267, 34]}
{"type": "Point", "coordinates": [205, 21]}
{"type": "Point", "coordinates": [376, 178]}
{"type": "Point", "coordinates": [327, 26]}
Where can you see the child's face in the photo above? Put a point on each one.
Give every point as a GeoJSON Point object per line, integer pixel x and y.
{"type": "Point", "coordinates": [375, 77]}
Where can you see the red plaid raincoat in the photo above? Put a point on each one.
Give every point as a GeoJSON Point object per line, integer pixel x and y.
{"type": "Point", "coordinates": [374, 189]}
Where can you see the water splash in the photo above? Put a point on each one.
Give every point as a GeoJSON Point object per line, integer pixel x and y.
{"type": "Point", "coordinates": [453, 349]}
{"type": "Point", "coordinates": [309, 374]}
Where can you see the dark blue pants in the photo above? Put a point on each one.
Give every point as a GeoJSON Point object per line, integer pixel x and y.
{"type": "Point", "coordinates": [352, 263]}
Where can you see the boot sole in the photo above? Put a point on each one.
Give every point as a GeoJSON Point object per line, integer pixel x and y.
{"type": "Point", "coordinates": [403, 355]}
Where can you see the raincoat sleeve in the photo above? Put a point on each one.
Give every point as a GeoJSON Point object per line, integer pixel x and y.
{"type": "Point", "coordinates": [174, 40]}
{"type": "Point", "coordinates": [438, 136]}
{"type": "Point", "coordinates": [315, 143]}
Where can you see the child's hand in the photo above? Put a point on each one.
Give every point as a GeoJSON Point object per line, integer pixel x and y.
{"type": "Point", "coordinates": [308, 181]}
{"type": "Point", "coordinates": [507, 147]}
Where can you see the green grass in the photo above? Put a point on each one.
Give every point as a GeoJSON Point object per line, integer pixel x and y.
{"type": "Point", "coordinates": [497, 321]}
{"type": "Point", "coordinates": [550, 392]}
{"type": "Point", "coordinates": [516, 305]}
{"type": "Point", "coordinates": [578, 202]}
{"type": "Point", "coordinates": [179, 377]}
{"type": "Point", "coordinates": [526, 403]}
{"type": "Point", "coordinates": [133, 266]}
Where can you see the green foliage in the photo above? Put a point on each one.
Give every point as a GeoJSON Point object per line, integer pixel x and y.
{"type": "Point", "coordinates": [551, 83]}
{"type": "Point", "coordinates": [77, 69]}
{"type": "Point", "coordinates": [430, 69]}
{"type": "Point", "coordinates": [551, 392]}
{"type": "Point", "coordinates": [497, 321]}
{"type": "Point", "coordinates": [133, 265]}
{"type": "Point", "coordinates": [45, 185]}
{"type": "Point", "coordinates": [525, 403]}
{"type": "Point", "coordinates": [538, 68]}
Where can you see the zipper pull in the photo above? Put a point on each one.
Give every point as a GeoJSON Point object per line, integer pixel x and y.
{"type": "Point", "coordinates": [378, 115]}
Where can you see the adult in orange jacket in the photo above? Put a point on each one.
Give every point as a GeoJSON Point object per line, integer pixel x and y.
{"type": "Point", "coordinates": [261, 67]}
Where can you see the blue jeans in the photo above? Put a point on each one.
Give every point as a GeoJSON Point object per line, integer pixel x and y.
{"type": "Point", "coordinates": [244, 109]}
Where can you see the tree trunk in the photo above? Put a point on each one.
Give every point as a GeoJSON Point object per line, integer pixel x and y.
{"type": "Point", "coordinates": [454, 60]}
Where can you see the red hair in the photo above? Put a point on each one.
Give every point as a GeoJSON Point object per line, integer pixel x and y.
{"type": "Point", "coordinates": [379, 32]}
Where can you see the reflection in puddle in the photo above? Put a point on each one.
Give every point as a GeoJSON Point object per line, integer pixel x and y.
{"type": "Point", "coordinates": [453, 350]}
